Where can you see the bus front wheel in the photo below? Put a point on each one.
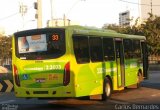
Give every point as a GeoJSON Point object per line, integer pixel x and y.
{"type": "Point", "coordinates": [107, 89]}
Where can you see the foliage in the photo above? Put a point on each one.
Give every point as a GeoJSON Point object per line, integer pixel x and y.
{"type": "Point", "coordinates": [149, 28]}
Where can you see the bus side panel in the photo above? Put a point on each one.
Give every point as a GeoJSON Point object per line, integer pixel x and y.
{"type": "Point", "coordinates": [110, 69]}
{"type": "Point", "coordinates": [89, 77]}
{"type": "Point", "coordinates": [131, 71]}
{"type": "Point", "coordinates": [86, 80]}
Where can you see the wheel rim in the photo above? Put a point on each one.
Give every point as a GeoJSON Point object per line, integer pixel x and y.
{"type": "Point", "coordinates": [108, 89]}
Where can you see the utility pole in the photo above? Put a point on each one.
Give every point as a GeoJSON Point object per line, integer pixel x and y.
{"type": "Point", "coordinates": [51, 12]}
{"type": "Point", "coordinates": [22, 11]}
{"type": "Point", "coordinates": [64, 19]}
{"type": "Point", "coordinates": [151, 7]}
{"type": "Point", "coordinates": [39, 14]}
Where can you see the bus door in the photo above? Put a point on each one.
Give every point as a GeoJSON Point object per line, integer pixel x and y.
{"type": "Point", "coordinates": [145, 59]}
{"type": "Point", "coordinates": [120, 62]}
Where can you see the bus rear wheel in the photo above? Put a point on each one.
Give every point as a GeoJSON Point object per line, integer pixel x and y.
{"type": "Point", "coordinates": [139, 79]}
{"type": "Point", "coordinates": [107, 89]}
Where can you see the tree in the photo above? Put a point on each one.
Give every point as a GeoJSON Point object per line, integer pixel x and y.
{"type": "Point", "coordinates": [5, 48]}
{"type": "Point", "coordinates": [135, 29]}
{"type": "Point", "coordinates": [150, 28]}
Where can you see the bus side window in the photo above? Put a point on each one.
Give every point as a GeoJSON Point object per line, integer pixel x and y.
{"type": "Point", "coordinates": [128, 50]}
{"type": "Point", "coordinates": [108, 48]}
{"type": "Point", "coordinates": [81, 49]}
{"type": "Point", "coordinates": [136, 49]}
{"type": "Point", "coordinates": [96, 51]}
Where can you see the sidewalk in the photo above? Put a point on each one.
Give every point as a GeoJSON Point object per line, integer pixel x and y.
{"type": "Point", "coordinates": [154, 67]}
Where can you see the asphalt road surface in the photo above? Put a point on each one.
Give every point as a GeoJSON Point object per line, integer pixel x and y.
{"type": "Point", "coordinates": [128, 99]}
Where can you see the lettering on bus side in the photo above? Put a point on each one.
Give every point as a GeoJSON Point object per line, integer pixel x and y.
{"type": "Point", "coordinates": [104, 70]}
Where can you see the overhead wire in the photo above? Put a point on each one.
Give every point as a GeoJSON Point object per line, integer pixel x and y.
{"type": "Point", "coordinates": [137, 3]}
{"type": "Point", "coordinates": [9, 16]}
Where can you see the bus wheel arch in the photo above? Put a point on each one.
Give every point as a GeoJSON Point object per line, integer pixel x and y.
{"type": "Point", "coordinates": [107, 87]}
{"type": "Point", "coordinates": [140, 71]}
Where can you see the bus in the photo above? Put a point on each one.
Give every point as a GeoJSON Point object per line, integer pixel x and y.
{"type": "Point", "coordinates": [76, 61]}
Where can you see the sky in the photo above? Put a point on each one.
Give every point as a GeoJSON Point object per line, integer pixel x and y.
{"type": "Point", "coordinates": [86, 12]}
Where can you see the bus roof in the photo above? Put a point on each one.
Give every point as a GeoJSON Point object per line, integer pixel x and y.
{"type": "Point", "coordinates": [84, 30]}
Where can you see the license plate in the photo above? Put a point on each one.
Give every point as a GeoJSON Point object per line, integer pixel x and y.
{"type": "Point", "coordinates": [40, 80]}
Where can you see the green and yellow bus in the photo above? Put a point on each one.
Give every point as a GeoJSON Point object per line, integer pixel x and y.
{"type": "Point", "coordinates": [76, 61]}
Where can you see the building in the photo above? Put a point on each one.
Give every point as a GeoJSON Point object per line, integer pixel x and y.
{"type": "Point", "coordinates": [149, 6]}
{"type": "Point", "coordinates": [60, 22]}
{"type": "Point", "coordinates": [124, 18]}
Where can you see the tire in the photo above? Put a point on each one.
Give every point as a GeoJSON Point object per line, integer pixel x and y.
{"type": "Point", "coordinates": [139, 79]}
{"type": "Point", "coordinates": [107, 89]}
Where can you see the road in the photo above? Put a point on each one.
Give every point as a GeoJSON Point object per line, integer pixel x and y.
{"type": "Point", "coordinates": [149, 93]}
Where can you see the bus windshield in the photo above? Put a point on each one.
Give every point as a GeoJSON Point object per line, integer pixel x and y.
{"type": "Point", "coordinates": [39, 44]}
